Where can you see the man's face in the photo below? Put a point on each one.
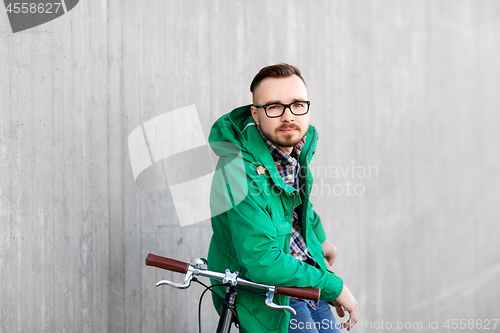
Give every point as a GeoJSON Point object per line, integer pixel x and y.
{"type": "Point", "coordinates": [285, 131]}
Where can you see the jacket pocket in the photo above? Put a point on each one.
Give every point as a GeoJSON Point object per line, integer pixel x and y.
{"type": "Point", "coordinates": [283, 231]}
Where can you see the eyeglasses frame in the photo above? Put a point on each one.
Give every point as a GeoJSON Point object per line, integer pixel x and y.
{"type": "Point", "coordinates": [285, 106]}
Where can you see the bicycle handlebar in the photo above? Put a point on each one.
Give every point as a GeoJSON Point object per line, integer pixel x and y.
{"type": "Point", "coordinates": [300, 292]}
{"type": "Point", "coordinates": [184, 267]}
{"type": "Point", "coordinates": [167, 263]}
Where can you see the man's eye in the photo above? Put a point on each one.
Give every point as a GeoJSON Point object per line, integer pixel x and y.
{"type": "Point", "coordinates": [273, 107]}
{"type": "Point", "coordinates": [299, 105]}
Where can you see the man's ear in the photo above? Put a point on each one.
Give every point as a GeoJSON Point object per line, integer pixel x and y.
{"type": "Point", "coordinates": [253, 110]}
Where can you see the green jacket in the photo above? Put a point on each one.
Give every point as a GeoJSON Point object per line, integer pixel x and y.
{"type": "Point", "coordinates": [251, 222]}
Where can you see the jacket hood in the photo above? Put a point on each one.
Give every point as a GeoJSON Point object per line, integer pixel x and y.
{"type": "Point", "coordinates": [227, 132]}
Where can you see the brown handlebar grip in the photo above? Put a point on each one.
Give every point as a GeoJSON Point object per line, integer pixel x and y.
{"type": "Point", "coordinates": [300, 292]}
{"type": "Point", "coordinates": [167, 263]}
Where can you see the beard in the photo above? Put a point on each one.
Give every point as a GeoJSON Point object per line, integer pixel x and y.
{"type": "Point", "coordinates": [285, 140]}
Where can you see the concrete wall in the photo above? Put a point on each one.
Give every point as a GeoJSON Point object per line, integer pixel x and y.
{"type": "Point", "coordinates": [408, 88]}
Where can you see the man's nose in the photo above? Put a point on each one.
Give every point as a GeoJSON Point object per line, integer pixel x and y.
{"type": "Point", "coordinates": [287, 114]}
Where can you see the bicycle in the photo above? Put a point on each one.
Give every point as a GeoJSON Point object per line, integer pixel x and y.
{"type": "Point", "coordinates": [231, 281]}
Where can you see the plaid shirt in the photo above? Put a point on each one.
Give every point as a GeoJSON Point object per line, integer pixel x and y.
{"type": "Point", "coordinates": [288, 167]}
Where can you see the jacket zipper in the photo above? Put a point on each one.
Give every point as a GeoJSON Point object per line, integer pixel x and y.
{"type": "Point", "coordinates": [305, 158]}
{"type": "Point", "coordinates": [310, 146]}
{"type": "Point", "coordinates": [308, 150]}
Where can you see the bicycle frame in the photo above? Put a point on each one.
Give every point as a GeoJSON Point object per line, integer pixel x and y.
{"type": "Point", "coordinates": [227, 311]}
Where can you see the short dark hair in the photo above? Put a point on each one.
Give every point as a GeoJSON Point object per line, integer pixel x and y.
{"type": "Point", "coordinates": [277, 71]}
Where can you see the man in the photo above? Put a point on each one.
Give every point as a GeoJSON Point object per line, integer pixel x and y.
{"type": "Point", "coordinates": [266, 229]}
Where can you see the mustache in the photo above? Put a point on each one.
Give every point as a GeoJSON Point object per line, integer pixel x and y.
{"type": "Point", "coordinates": [284, 127]}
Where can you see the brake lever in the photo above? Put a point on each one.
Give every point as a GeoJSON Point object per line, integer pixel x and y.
{"type": "Point", "coordinates": [184, 285]}
{"type": "Point", "coordinates": [270, 304]}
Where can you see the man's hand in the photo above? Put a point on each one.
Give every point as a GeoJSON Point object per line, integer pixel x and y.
{"type": "Point", "coordinates": [348, 302]}
{"type": "Point", "coordinates": [330, 252]}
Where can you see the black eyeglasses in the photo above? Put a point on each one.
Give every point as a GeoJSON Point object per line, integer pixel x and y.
{"type": "Point", "coordinates": [275, 110]}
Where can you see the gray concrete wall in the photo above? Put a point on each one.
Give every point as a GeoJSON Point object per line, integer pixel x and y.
{"type": "Point", "coordinates": [408, 88]}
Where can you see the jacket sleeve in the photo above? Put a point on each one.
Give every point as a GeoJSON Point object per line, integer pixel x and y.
{"type": "Point", "coordinates": [258, 245]}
